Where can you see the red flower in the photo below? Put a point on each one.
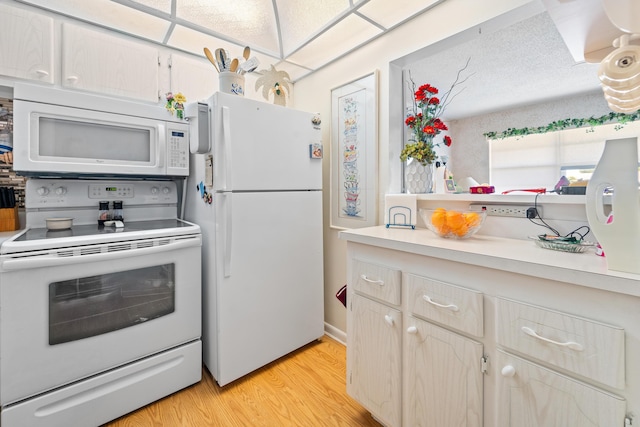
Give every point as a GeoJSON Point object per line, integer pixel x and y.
{"type": "Point", "coordinates": [439, 124]}
{"type": "Point", "coordinates": [428, 88]}
{"type": "Point", "coordinates": [424, 120]}
{"type": "Point", "coordinates": [425, 123]}
{"type": "Point", "coordinates": [424, 93]}
{"type": "Point", "coordinates": [429, 130]}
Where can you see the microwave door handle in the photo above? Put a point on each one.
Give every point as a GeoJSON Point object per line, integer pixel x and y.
{"type": "Point", "coordinates": [226, 146]}
{"type": "Point", "coordinates": [227, 199]}
{"type": "Point", "coordinates": [162, 147]}
{"type": "Point", "coordinates": [55, 261]}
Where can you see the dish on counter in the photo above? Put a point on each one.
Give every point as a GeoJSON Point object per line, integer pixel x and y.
{"type": "Point", "coordinates": [557, 244]}
{"type": "Point", "coordinates": [59, 223]}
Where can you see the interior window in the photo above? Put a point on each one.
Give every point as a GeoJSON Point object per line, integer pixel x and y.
{"type": "Point", "coordinates": [540, 160]}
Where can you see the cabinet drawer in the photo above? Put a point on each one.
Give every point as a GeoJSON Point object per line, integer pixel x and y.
{"type": "Point", "coordinates": [532, 396]}
{"type": "Point", "coordinates": [377, 281]}
{"type": "Point", "coordinates": [447, 304]}
{"type": "Point", "coordinates": [585, 347]}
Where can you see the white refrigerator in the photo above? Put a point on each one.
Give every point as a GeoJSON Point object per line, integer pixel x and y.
{"type": "Point", "coordinates": [255, 189]}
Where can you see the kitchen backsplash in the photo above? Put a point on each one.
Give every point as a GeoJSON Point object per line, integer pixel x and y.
{"type": "Point", "coordinates": [562, 212]}
{"type": "Point", "coordinates": [8, 177]}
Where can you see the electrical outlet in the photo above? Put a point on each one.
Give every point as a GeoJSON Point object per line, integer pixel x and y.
{"type": "Point", "coordinates": [516, 211]}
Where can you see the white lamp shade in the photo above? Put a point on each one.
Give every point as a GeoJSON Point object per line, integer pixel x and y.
{"type": "Point", "coordinates": [621, 68]}
{"type": "Point", "coordinates": [625, 95]}
{"type": "Point", "coordinates": [619, 74]}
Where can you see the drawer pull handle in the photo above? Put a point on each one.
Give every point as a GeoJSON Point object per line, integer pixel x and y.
{"type": "Point", "coordinates": [388, 319]}
{"type": "Point", "coordinates": [366, 279]}
{"type": "Point", "coordinates": [451, 307]}
{"type": "Point", "coordinates": [412, 330]}
{"type": "Point", "coordinates": [569, 344]}
{"type": "Point", "coordinates": [42, 73]}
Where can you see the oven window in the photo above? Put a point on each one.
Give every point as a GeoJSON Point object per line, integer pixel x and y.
{"type": "Point", "coordinates": [94, 305]}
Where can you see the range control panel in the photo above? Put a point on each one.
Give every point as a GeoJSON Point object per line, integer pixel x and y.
{"type": "Point", "coordinates": [52, 193]}
{"type": "Point", "coordinates": [112, 191]}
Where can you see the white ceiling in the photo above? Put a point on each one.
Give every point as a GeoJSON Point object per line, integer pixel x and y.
{"type": "Point", "coordinates": [539, 57]}
{"type": "Point", "coordinates": [297, 36]}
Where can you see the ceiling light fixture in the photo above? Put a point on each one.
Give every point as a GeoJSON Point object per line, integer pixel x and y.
{"type": "Point", "coordinates": [619, 74]}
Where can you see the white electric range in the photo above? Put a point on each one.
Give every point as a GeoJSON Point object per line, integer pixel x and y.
{"type": "Point", "coordinates": [97, 321]}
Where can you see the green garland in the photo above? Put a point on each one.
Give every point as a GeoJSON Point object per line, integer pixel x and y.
{"type": "Point", "coordinates": [567, 124]}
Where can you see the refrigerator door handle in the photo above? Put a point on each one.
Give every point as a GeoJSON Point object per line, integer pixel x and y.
{"type": "Point", "coordinates": [228, 235]}
{"type": "Point", "coordinates": [226, 146]}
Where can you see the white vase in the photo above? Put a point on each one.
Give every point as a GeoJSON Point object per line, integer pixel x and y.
{"type": "Point", "coordinates": [418, 178]}
{"type": "Point", "coordinates": [619, 235]}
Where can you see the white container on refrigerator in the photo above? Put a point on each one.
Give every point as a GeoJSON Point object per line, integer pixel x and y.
{"type": "Point", "coordinates": [262, 234]}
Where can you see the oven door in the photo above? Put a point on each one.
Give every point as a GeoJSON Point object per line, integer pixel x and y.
{"type": "Point", "coordinates": [72, 313]}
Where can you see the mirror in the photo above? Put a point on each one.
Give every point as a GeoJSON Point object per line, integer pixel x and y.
{"type": "Point", "coordinates": [523, 76]}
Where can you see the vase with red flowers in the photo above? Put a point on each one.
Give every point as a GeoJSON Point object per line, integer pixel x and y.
{"type": "Point", "coordinates": [424, 120]}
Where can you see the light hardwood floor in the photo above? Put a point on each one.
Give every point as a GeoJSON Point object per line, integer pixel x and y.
{"type": "Point", "coordinates": [304, 388]}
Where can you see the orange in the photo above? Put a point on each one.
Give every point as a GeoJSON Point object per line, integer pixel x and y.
{"type": "Point", "coordinates": [462, 230]}
{"type": "Point", "coordinates": [455, 220]}
{"type": "Point", "coordinates": [472, 219]}
{"type": "Point", "coordinates": [439, 220]}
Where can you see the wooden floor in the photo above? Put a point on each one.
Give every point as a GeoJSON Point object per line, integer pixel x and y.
{"type": "Point", "coordinates": [304, 388]}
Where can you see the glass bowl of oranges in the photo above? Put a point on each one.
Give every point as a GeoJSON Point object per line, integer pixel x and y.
{"type": "Point", "coordinates": [452, 223]}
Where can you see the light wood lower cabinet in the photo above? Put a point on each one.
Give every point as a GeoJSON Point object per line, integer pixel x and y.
{"type": "Point", "coordinates": [443, 377]}
{"type": "Point", "coordinates": [533, 396]}
{"type": "Point", "coordinates": [437, 343]}
{"type": "Point", "coordinates": [374, 358]}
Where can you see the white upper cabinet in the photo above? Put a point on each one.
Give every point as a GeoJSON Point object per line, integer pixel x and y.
{"type": "Point", "coordinates": [26, 45]}
{"type": "Point", "coordinates": [99, 62]}
{"type": "Point", "coordinates": [196, 80]}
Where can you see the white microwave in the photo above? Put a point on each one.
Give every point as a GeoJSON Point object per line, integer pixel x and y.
{"type": "Point", "coordinates": [60, 132]}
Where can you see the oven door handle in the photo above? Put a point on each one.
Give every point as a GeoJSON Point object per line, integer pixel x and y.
{"type": "Point", "coordinates": [57, 261]}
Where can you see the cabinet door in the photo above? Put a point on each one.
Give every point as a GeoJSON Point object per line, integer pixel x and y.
{"type": "Point", "coordinates": [26, 44]}
{"type": "Point", "coordinates": [533, 396]}
{"type": "Point", "coordinates": [374, 333]}
{"type": "Point", "coordinates": [196, 80]}
{"type": "Point", "coordinates": [100, 62]}
{"type": "Point", "coordinates": [443, 377]}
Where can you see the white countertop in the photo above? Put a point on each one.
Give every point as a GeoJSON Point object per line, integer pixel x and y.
{"type": "Point", "coordinates": [4, 235]}
{"type": "Point", "coordinates": [518, 256]}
